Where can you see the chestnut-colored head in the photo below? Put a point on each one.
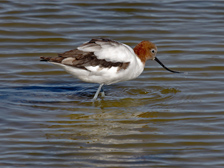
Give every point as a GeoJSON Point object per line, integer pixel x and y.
{"type": "Point", "coordinates": [145, 51]}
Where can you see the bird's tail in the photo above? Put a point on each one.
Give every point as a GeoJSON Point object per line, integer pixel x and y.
{"type": "Point", "coordinates": [45, 58]}
{"type": "Point", "coordinates": [52, 59]}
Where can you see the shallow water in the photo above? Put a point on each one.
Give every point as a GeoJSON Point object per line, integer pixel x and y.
{"type": "Point", "coordinates": [160, 119]}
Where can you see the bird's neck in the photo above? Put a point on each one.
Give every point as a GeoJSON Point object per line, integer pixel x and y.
{"type": "Point", "coordinates": [140, 51]}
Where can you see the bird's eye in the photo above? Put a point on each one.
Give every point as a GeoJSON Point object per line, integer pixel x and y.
{"type": "Point", "coordinates": [153, 51]}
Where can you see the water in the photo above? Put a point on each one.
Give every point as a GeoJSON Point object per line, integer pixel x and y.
{"type": "Point", "coordinates": [160, 119]}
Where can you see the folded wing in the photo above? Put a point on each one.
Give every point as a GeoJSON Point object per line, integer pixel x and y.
{"type": "Point", "coordinates": [104, 53]}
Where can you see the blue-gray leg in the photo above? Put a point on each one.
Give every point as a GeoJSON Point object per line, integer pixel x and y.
{"type": "Point", "coordinates": [97, 92]}
{"type": "Point", "coordinates": [102, 92]}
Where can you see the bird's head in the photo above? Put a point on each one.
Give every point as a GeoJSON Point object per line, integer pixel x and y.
{"type": "Point", "coordinates": [146, 50]}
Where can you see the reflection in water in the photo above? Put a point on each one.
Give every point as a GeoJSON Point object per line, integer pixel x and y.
{"type": "Point", "coordinates": [110, 135]}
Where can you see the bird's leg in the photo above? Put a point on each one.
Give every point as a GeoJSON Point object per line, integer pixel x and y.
{"type": "Point", "coordinates": [97, 92]}
{"type": "Point", "coordinates": [102, 92]}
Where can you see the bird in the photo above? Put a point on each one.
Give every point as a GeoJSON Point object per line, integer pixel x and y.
{"type": "Point", "coordinates": [105, 61]}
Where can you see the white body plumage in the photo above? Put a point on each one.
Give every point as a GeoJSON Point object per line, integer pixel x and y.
{"type": "Point", "coordinates": [111, 52]}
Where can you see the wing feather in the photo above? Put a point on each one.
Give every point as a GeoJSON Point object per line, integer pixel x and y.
{"type": "Point", "coordinates": [104, 53]}
{"type": "Point", "coordinates": [109, 50]}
